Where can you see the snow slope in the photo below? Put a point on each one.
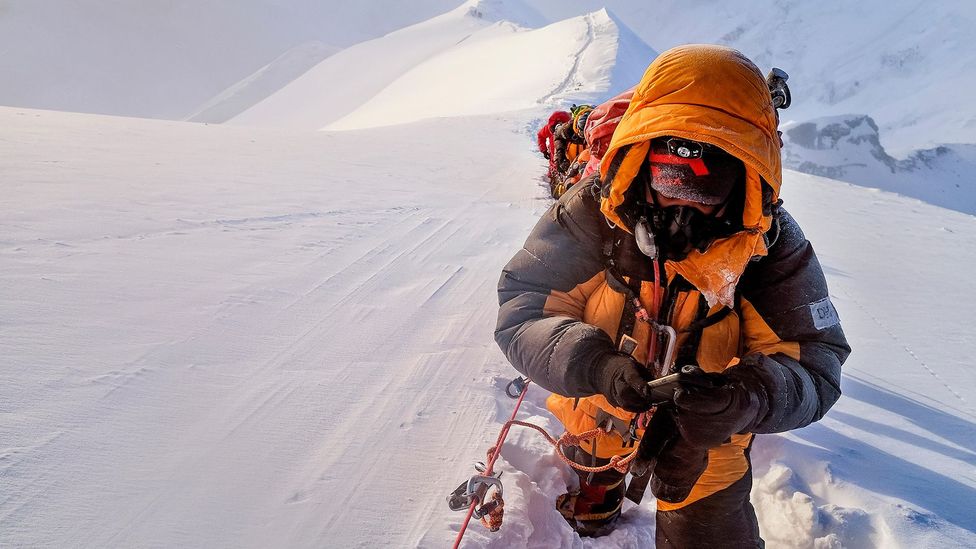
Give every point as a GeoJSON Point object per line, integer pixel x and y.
{"type": "Point", "coordinates": [227, 337]}
{"type": "Point", "coordinates": [901, 443]}
{"type": "Point", "coordinates": [166, 59]}
{"type": "Point", "coordinates": [264, 82]}
{"type": "Point", "coordinates": [215, 337]}
{"type": "Point", "coordinates": [580, 59]}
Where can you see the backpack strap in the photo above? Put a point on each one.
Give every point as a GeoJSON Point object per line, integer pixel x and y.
{"type": "Point", "coordinates": [688, 353]}
{"type": "Point", "coordinates": [629, 288]}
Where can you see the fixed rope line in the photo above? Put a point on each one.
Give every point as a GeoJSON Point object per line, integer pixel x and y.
{"type": "Point", "coordinates": [620, 463]}
{"type": "Point", "coordinates": [489, 468]}
{"type": "Point", "coordinates": [493, 519]}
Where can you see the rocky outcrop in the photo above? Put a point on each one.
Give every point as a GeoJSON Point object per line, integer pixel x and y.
{"type": "Point", "coordinates": [848, 147]}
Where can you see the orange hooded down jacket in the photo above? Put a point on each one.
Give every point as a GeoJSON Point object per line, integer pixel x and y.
{"type": "Point", "coordinates": [562, 297]}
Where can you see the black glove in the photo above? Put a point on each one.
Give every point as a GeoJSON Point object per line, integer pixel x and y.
{"type": "Point", "coordinates": [623, 381]}
{"type": "Point", "coordinates": [676, 464]}
{"type": "Point", "coordinates": [678, 468]}
{"type": "Point", "coordinates": [708, 414]}
{"type": "Point", "coordinates": [545, 155]}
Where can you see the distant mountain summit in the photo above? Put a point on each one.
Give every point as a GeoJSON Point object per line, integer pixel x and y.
{"type": "Point", "coordinates": [478, 59]}
{"type": "Point", "coordinates": [849, 148]}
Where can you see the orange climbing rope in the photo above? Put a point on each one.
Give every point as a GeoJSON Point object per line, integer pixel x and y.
{"type": "Point", "coordinates": [495, 510]}
{"type": "Point", "coordinates": [494, 522]}
{"type": "Point", "coordinates": [620, 463]}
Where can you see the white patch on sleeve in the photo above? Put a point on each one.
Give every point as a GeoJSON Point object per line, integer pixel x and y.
{"type": "Point", "coordinates": [824, 314]}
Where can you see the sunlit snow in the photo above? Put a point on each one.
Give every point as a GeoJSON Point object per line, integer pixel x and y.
{"type": "Point", "coordinates": [260, 334]}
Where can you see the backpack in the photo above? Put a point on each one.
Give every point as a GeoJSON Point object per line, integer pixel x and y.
{"type": "Point", "coordinates": [600, 126]}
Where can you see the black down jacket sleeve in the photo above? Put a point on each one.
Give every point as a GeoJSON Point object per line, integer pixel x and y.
{"type": "Point", "coordinates": [561, 139]}
{"type": "Point", "coordinates": [542, 293]}
{"type": "Point", "coordinates": [788, 291]}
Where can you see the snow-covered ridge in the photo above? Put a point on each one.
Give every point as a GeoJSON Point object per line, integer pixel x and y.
{"type": "Point", "coordinates": [520, 12]}
{"type": "Point", "coordinates": [166, 59]}
{"type": "Point", "coordinates": [506, 67]}
{"type": "Point", "coordinates": [479, 58]}
{"type": "Point", "coordinates": [346, 80]}
{"type": "Point", "coordinates": [907, 66]}
{"type": "Point", "coordinates": [265, 81]}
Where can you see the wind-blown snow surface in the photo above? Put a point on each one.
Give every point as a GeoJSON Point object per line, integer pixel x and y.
{"type": "Point", "coordinates": [223, 337]}
{"type": "Point", "coordinates": [215, 337]}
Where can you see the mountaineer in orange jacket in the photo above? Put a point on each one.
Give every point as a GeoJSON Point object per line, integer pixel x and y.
{"type": "Point", "coordinates": [600, 126]}
{"type": "Point", "coordinates": [570, 152]}
{"type": "Point", "coordinates": [568, 140]}
{"type": "Point", "coordinates": [681, 239]}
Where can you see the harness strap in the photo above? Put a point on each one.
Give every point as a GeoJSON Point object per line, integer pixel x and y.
{"type": "Point", "coordinates": [628, 315]}
{"type": "Point", "coordinates": [687, 354]}
{"type": "Point", "coordinates": [617, 283]}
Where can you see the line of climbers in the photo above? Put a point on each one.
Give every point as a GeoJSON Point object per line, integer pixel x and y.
{"type": "Point", "coordinates": [676, 252]}
{"type": "Point", "coordinates": [574, 142]}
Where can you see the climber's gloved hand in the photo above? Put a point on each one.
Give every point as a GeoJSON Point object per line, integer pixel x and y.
{"type": "Point", "coordinates": [623, 381]}
{"type": "Point", "coordinates": [713, 407]}
{"type": "Point", "coordinates": [679, 466]}
{"type": "Point", "coordinates": [545, 155]}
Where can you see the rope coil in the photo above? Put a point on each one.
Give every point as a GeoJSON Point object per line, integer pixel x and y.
{"type": "Point", "coordinates": [492, 519]}
{"type": "Point", "coordinates": [620, 463]}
